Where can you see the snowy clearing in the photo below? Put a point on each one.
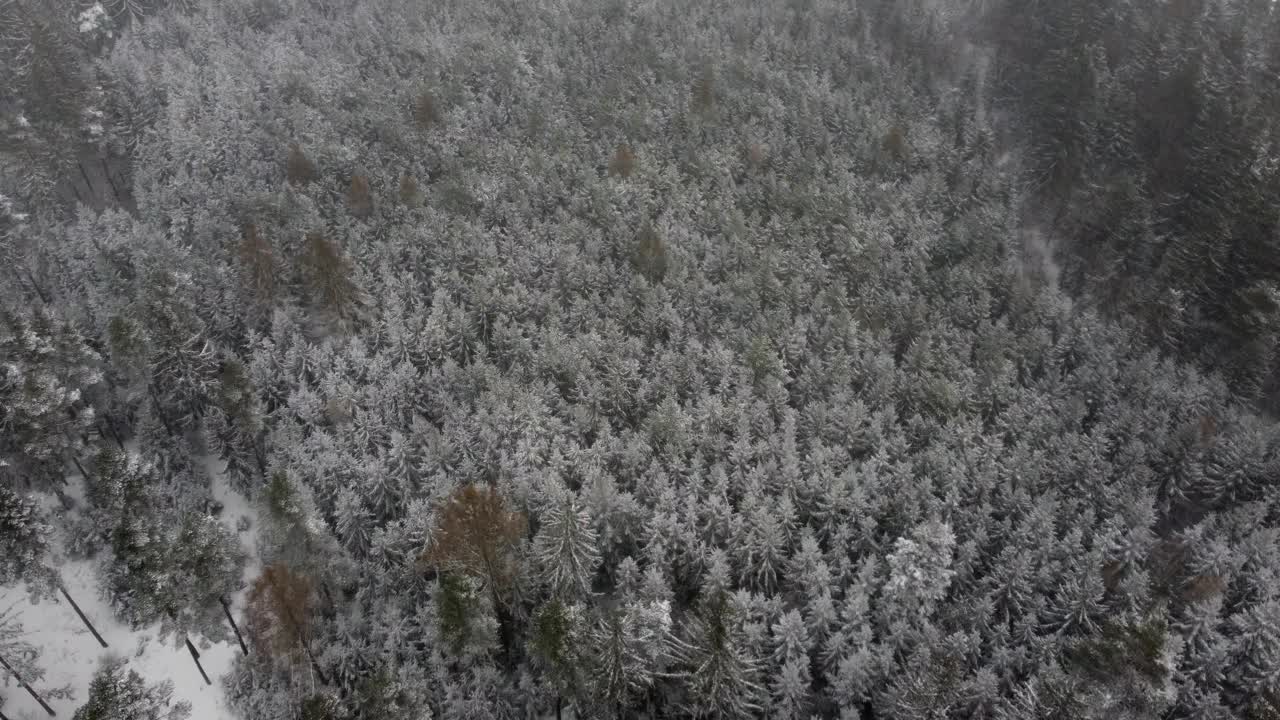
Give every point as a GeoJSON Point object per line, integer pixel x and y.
{"type": "Point", "coordinates": [70, 654]}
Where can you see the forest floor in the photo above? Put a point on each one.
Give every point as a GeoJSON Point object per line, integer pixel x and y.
{"type": "Point", "coordinates": [70, 654]}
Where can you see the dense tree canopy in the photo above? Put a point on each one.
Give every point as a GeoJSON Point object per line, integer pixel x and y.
{"type": "Point", "coordinates": [763, 359]}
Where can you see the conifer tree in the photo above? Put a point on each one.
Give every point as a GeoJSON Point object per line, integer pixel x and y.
{"type": "Point", "coordinates": [623, 162]}
{"type": "Point", "coordinates": [476, 536]}
{"type": "Point", "coordinates": [651, 254]}
{"type": "Point", "coordinates": [565, 548]}
{"type": "Point", "coordinates": [722, 678]}
{"type": "Point", "coordinates": [279, 615]}
{"type": "Point", "coordinates": [24, 540]}
{"type": "Point", "coordinates": [329, 273]}
{"type": "Point", "coordinates": [359, 201]}
{"type": "Point", "coordinates": [117, 691]}
{"type": "Point", "coordinates": [425, 112]}
{"type": "Point", "coordinates": [557, 641]}
{"type": "Point", "coordinates": [298, 168]}
{"type": "Point", "coordinates": [259, 262]}
{"type": "Point", "coordinates": [47, 380]}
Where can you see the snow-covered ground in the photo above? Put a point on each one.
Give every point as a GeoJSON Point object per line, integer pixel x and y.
{"type": "Point", "coordinates": [70, 655]}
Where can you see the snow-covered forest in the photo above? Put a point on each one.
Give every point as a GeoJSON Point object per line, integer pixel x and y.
{"type": "Point", "coordinates": [856, 359]}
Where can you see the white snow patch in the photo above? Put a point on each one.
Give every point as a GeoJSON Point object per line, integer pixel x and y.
{"type": "Point", "coordinates": [70, 654]}
{"type": "Point", "coordinates": [92, 18]}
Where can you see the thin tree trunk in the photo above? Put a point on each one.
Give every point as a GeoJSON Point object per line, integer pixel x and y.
{"type": "Point", "coordinates": [34, 286]}
{"type": "Point", "coordinates": [85, 175]}
{"type": "Point", "coordinates": [227, 609]}
{"type": "Point", "coordinates": [106, 172]}
{"type": "Point", "coordinates": [44, 297]}
{"type": "Point", "coordinates": [83, 473]}
{"type": "Point", "coordinates": [105, 429]}
{"type": "Point", "coordinates": [314, 665]}
{"type": "Point", "coordinates": [83, 619]}
{"type": "Point", "coordinates": [195, 655]}
{"type": "Point", "coordinates": [111, 423]}
{"type": "Point", "coordinates": [155, 402]}
{"type": "Point", "coordinates": [28, 688]}
{"type": "Point", "coordinates": [506, 634]}
{"type": "Point", "coordinates": [259, 456]}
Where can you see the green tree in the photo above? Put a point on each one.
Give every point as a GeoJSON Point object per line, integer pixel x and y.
{"type": "Point", "coordinates": [721, 676]}
{"type": "Point", "coordinates": [565, 547]}
{"type": "Point", "coordinates": [119, 693]}
{"type": "Point", "coordinates": [47, 379]}
{"type": "Point", "coordinates": [24, 540]}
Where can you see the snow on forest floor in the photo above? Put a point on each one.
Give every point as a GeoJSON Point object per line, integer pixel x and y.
{"type": "Point", "coordinates": [70, 654]}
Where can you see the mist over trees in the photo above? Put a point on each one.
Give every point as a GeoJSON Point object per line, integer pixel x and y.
{"type": "Point", "coordinates": [778, 358]}
{"type": "Point", "coordinates": [1152, 127]}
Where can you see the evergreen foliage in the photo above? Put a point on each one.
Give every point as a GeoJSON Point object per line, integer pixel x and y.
{"type": "Point", "coordinates": [118, 692]}
{"type": "Point", "coordinates": [788, 360]}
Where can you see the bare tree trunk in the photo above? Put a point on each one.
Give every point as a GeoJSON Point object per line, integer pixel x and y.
{"type": "Point", "coordinates": [83, 473]}
{"type": "Point", "coordinates": [195, 655]}
{"type": "Point", "coordinates": [106, 172]}
{"type": "Point", "coordinates": [44, 297]}
{"type": "Point", "coordinates": [83, 619]}
{"type": "Point", "coordinates": [227, 609]}
{"type": "Point", "coordinates": [85, 175]}
{"type": "Point", "coordinates": [506, 631]}
{"type": "Point", "coordinates": [76, 189]}
{"type": "Point", "coordinates": [259, 455]}
{"type": "Point", "coordinates": [28, 688]}
{"type": "Point", "coordinates": [105, 429]}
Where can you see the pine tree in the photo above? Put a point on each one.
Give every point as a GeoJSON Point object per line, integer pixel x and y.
{"type": "Point", "coordinates": [138, 578]}
{"type": "Point", "coordinates": [118, 692]}
{"type": "Point", "coordinates": [259, 262]}
{"type": "Point", "coordinates": [279, 614]}
{"type": "Point", "coordinates": [354, 522]}
{"type": "Point", "coordinates": [623, 162]}
{"type": "Point", "coordinates": [22, 657]}
{"type": "Point", "coordinates": [47, 379]}
{"type": "Point", "coordinates": [920, 566]}
{"type": "Point", "coordinates": [329, 273]}
{"type": "Point", "coordinates": [790, 687]}
{"type": "Point", "coordinates": [565, 547]}
{"type": "Point", "coordinates": [651, 254]}
{"type": "Point", "coordinates": [425, 112]}
{"type": "Point", "coordinates": [24, 540]}
{"type": "Point", "coordinates": [298, 168]}
{"type": "Point", "coordinates": [181, 358]}
{"type": "Point", "coordinates": [703, 92]}
{"type": "Point", "coordinates": [359, 201]}
{"type": "Point", "coordinates": [47, 83]}
{"type": "Point", "coordinates": [557, 642]}
{"type": "Point", "coordinates": [409, 194]}
{"type": "Point", "coordinates": [476, 535]}
{"type": "Point", "coordinates": [237, 426]}
{"type": "Point", "coordinates": [205, 569]}
{"type": "Point", "coordinates": [630, 648]}
{"type": "Point", "coordinates": [721, 677]}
